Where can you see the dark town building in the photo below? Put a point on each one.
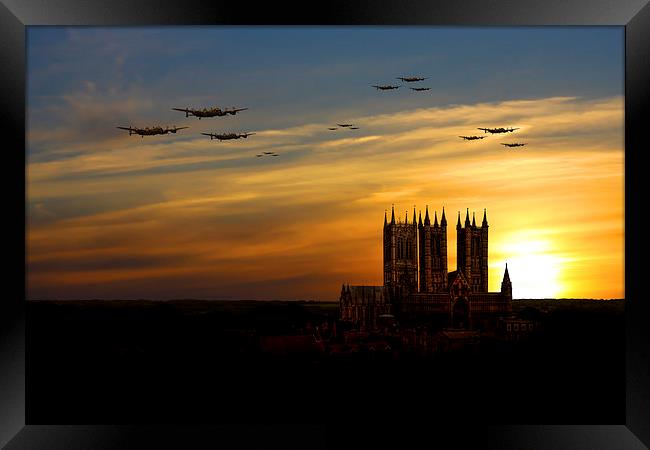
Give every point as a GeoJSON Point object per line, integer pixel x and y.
{"type": "Point", "coordinates": [419, 289]}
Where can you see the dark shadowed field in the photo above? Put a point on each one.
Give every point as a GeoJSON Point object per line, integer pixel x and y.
{"type": "Point", "coordinates": [191, 361]}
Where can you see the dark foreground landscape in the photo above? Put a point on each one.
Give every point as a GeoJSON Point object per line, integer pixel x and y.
{"type": "Point", "coordinates": [191, 361]}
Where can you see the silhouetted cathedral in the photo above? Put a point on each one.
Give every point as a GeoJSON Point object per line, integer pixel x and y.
{"type": "Point", "coordinates": [417, 285]}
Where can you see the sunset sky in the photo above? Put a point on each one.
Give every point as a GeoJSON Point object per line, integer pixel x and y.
{"type": "Point", "coordinates": [180, 216]}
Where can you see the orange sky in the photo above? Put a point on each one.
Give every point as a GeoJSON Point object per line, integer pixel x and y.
{"type": "Point", "coordinates": [230, 225]}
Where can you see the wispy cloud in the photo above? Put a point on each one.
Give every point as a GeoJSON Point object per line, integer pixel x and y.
{"type": "Point", "coordinates": [186, 216]}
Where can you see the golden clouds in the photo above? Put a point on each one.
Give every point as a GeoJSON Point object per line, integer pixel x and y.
{"type": "Point", "coordinates": [224, 223]}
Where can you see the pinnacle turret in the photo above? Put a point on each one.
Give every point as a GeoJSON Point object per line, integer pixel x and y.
{"type": "Point", "coordinates": [473, 220]}
{"type": "Point", "coordinates": [484, 224]}
{"type": "Point", "coordinates": [427, 222]}
{"type": "Point", "coordinates": [443, 219]}
{"type": "Point", "coordinates": [392, 215]}
{"type": "Point", "coordinates": [435, 219]}
{"type": "Point", "coordinates": [467, 218]}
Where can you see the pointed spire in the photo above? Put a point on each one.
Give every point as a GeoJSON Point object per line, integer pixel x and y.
{"type": "Point", "coordinates": [385, 220]}
{"type": "Point", "coordinates": [467, 218]}
{"type": "Point", "coordinates": [392, 215]}
{"type": "Point", "coordinates": [435, 219]}
{"type": "Point", "coordinates": [443, 219]}
{"type": "Point", "coordinates": [406, 217]}
{"type": "Point", "coordinates": [427, 222]}
{"type": "Point", "coordinates": [506, 275]}
{"type": "Point", "coordinates": [485, 224]}
{"type": "Point", "coordinates": [414, 215]}
{"type": "Point", "coordinates": [473, 220]}
{"type": "Point", "coordinates": [420, 220]}
{"type": "Point", "coordinates": [458, 224]}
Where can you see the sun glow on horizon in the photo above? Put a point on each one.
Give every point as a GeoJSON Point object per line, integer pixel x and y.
{"type": "Point", "coordinates": [535, 266]}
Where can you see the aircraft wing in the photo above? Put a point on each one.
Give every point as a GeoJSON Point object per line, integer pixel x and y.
{"type": "Point", "coordinates": [126, 128]}
{"type": "Point", "coordinates": [210, 134]}
{"type": "Point", "coordinates": [180, 128]}
{"type": "Point", "coordinates": [183, 110]}
{"type": "Point", "coordinates": [239, 109]}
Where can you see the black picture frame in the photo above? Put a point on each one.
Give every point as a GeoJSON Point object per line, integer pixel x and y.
{"type": "Point", "coordinates": [15, 15]}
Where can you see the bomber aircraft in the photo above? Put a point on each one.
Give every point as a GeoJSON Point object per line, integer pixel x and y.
{"type": "Point", "coordinates": [420, 89]}
{"type": "Point", "coordinates": [515, 144]}
{"type": "Point", "coordinates": [498, 130]}
{"type": "Point", "coordinates": [384, 87]}
{"type": "Point", "coordinates": [209, 112]}
{"type": "Point", "coordinates": [411, 79]}
{"type": "Point", "coordinates": [227, 136]}
{"type": "Point", "coordinates": [471, 138]}
{"type": "Point", "coordinates": [151, 131]}
{"type": "Point", "coordinates": [344, 125]}
{"type": "Point", "coordinates": [353, 128]}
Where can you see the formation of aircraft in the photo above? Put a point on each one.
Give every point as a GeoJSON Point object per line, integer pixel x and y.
{"type": "Point", "coordinates": [209, 112]}
{"type": "Point", "coordinates": [514, 144]}
{"type": "Point", "coordinates": [385, 87]}
{"type": "Point", "coordinates": [151, 131]}
{"type": "Point", "coordinates": [227, 136]}
{"type": "Point", "coordinates": [495, 131]}
{"type": "Point", "coordinates": [411, 79]}
{"type": "Point", "coordinates": [471, 138]}
{"type": "Point", "coordinates": [498, 130]}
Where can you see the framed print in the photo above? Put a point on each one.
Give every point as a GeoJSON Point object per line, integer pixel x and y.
{"type": "Point", "coordinates": [382, 225]}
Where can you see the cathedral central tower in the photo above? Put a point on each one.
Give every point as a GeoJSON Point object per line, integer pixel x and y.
{"type": "Point", "coordinates": [433, 253]}
{"type": "Point", "coordinates": [472, 252]}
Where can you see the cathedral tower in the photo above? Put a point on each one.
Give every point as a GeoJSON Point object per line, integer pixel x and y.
{"type": "Point", "coordinates": [400, 253]}
{"type": "Point", "coordinates": [433, 253]}
{"type": "Point", "coordinates": [472, 252]}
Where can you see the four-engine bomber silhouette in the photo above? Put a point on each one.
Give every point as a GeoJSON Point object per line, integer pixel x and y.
{"type": "Point", "coordinates": [514, 144]}
{"type": "Point", "coordinates": [151, 131]}
{"type": "Point", "coordinates": [411, 79]}
{"type": "Point", "coordinates": [385, 87]}
{"type": "Point", "coordinates": [471, 138]}
{"type": "Point", "coordinates": [209, 112]}
{"type": "Point", "coordinates": [420, 89]}
{"type": "Point", "coordinates": [227, 136]}
{"type": "Point", "coordinates": [498, 130]}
